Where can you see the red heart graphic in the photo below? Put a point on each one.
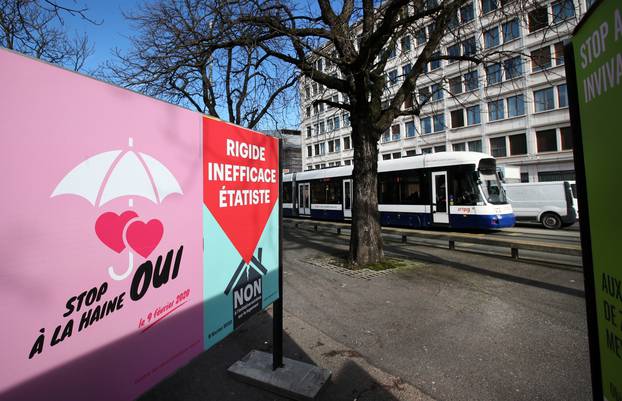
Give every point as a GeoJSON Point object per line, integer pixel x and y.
{"type": "Point", "coordinates": [109, 229]}
{"type": "Point", "coordinates": [242, 223]}
{"type": "Point", "coordinates": [144, 237]}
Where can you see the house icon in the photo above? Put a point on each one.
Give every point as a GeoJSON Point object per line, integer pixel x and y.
{"type": "Point", "coordinates": [246, 273]}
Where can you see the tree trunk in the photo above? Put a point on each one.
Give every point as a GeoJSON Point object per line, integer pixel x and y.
{"type": "Point", "coordinates": [366, 239]}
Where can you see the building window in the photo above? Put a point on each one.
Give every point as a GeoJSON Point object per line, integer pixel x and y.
{"type": "Point", "coordinates": [518, 144]}
{"type": "Point", "coordinates": [437, 92]}
{"type": "Point", "coordinates": [471, 81]}
{"type": "Point", "coordinates": [524, 177]}
{"type": "Point", "coordinates": [459, 147]}
{"type": "Point", "coordinates": [410, 129]}
{"type": "Point", "coordinates": [440, 148]}
{"type": "Point", "coordinates": [329, 125]}
{"type": "Point", "coordinates": [331, 146]}
{"type": "Point", "coordinates": [309, 151]}
{"type": "Point", "coordinates": [497, 147]}
{"type": "Point", "coordinates": [541, 59]}
{"type": "Point", "coordinates": [453, 51]}
{"type": "Point", "coordinates": [396, 132]}
{"type": "Point", "coordinates": [322, 127]}
{"type": "Point", "coordinates": [469, 46]}
{"type": "Point", "coordinates": [346, 143]}
{"type": "Point", "coordinates": [439, 122]}
{"type": "Point", "coordinates": [496, 110]}
{"type": "Point", "coordinates": [421, 37]}
{"type": "Point", "coordinates": [488, 6]}
{"type": "Point", "coordinates": [516, 106]}
{"type": "Point", "coordinates": [336, 122]}
{"type": "Point", "coordinates": [346, 120]}
{"type": "Point", "coordinates": [544, 99]}
{"type": "Point", "coordinates": [466, 13]}
{"type": "Point", "coordinates": [562, 96]}
{"type": "Point", "coordinates": [546, 140]}
{"type": "Point", "coordinates": [559, 53]}
{"type": "Point", "coordinates": [396, 155]}
{"type": "Point", "coordinates": [317, 149]}
{"type": "Point", "coordinates": [319, 65]}
{"type": "Point", "coordinates": [493, 74]}
{"type": "Point", "coordinates": [425, 151]}
{"type": "Point", "coordinates": [386, 156]}
{"type": "Point", "coordinates": [391, 51]}
{"type": "Point", "coordinates": [491, 37]}
{"type": "Point", "coordinates": [308, 112]}
{"type": "Point", "coordinates": [424, 94]}
{"type": "Point", "coordinates": [562, 10]}
{"type": "Point", "coordinates": [473, 115]}
{"type": "Point", "coordinates": [538, 19]}
{"type": "Point", "coordinates": [457, 118]}
{"type": "Point", "coordinates": [348, 162]}
{"type": "Point", "coordinates": [406, 69]}
{"type": "Point", "coordinates": [566, 138]}
{"type": "Point", "coordinates": [426, 125]}
{"type": "Point", "coordinates": [435, 64]}
{"type": "Point", "coordinates": [405, 42]}
{"type": "Point", "coordinates": [511, 30]}
{"type": "Point", "coordinates": [475, 146]}
{"type": "Point", "coordinates": [309, 132]}
{"type": "Point", "coordinates": [322, 148]}
{"type": "Point", "coordinates": [392, 77]}
{"type": "Point", "coordinates": [455, 85]}
{"type": "Point", "coordinates": [386, 136]}
{"type": "Point", "coordinates": [410, 153]}
{"type": "Point", "coordinates": [513, 67]}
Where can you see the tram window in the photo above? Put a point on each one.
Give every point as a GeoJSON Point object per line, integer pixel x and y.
{"type": "Point", "coordinates": [326, 192]}
{"type": "Point", "coordinates": [463, 187]}
{"type": "Point", "coordinates": [401, 188]}
{"type": "Point", "coordinates": [287, 192]}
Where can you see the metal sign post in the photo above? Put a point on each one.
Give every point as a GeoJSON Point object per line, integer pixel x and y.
{"type": "Point", "coordinates": [287, 377]}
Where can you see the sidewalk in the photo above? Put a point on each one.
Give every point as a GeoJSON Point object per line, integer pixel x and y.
{"type": "Point", "coordinates": [354, 378]}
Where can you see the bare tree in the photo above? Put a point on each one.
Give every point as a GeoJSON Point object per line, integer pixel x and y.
{"type": "Point", "coordinates": [182, 54]}
{"type": "Point", "coordinates": [35, 28]}
{"type": "Point", "coordinates": [359, 39]}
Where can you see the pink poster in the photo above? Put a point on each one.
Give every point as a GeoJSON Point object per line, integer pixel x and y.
{"type": "Point", "coordinates": [101, 284]}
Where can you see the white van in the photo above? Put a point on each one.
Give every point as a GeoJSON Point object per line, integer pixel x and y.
{"type": "Point", "coordinates": [550, 203]}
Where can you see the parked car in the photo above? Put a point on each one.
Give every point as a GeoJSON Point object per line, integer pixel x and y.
{"type": "Point", "coordinates": [549, 203]}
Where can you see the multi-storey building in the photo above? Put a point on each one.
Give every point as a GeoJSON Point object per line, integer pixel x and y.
{"type": "Point", "coordinates": [514, 106]}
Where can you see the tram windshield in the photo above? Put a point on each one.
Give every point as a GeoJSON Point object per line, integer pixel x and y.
{"type": "Point", "coordinates": [490, 183]}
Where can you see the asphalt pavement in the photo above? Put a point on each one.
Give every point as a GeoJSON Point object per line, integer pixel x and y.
{"type": "Point", "coordinates": [451, 325]}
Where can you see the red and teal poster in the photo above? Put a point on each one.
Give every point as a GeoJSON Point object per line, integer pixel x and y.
{"type": "Point", "coordinates": [134, 234]}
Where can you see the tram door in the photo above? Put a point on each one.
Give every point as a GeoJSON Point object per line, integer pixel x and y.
{"type": "Point", "coordinates": [440, 207]}
{"type": "Point", "coordinates": [347, 199]}
{"type": "Point", "coordinates": [304, 201]}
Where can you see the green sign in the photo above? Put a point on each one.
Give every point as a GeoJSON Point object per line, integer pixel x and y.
{"type": "Point", "coordinates": [597, 56]}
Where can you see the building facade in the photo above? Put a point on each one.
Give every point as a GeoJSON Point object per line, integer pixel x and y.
{"type": "Point", "coordinates": [514, 106]}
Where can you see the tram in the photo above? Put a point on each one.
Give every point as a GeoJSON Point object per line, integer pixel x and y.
{"type": "Point", "coordinates": [460, 190]}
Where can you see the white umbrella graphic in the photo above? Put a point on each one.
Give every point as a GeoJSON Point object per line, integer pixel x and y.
{"type": "Point", "coordinates": [119, 173]}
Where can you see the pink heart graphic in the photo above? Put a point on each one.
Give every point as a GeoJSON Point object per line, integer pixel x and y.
{"type": "Point", "coordinates": [144, 237]}
{"type": "Point", "coordinates": [109, 229]}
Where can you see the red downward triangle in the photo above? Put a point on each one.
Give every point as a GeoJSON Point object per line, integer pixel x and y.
{"type": "Point", "coordinates": [243, 224]}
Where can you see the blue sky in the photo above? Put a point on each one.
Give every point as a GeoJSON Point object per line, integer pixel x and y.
{"type": "Point", "coordinates": [113, 31]}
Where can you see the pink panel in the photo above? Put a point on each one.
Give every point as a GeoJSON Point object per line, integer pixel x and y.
{"type": "Point", "coordinates": [55, 248]}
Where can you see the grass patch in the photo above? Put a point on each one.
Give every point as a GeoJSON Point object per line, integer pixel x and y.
{"type": "Point", "coordinates": [388, 264]}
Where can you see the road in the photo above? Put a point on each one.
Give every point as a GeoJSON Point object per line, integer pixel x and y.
{"type": "Point", "coordinates": [458, 325]}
